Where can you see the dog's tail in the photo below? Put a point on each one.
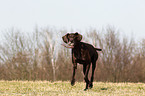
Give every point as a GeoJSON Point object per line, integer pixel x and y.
{"type": "Point", "coordinates": [98, 49]}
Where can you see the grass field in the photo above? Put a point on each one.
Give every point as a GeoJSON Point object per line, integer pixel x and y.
{"type": "Point", "coordinates": [59, 88]}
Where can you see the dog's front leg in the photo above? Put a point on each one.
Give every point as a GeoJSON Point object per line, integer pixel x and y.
{"type": "Point", "coordinates": [74, 72]}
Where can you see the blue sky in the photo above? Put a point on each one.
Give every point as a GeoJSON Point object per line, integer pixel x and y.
{"type": "Point", "coordinates": [128, 16]}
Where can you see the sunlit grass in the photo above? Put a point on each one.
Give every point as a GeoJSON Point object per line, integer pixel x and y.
{"type": "Point", "coordinates": [59, 88]}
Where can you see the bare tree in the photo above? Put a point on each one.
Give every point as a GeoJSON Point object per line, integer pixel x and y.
{"type": "Point", "coordinates": [40, 56]}
{"type": "Point", "coordinates": [50, 47]}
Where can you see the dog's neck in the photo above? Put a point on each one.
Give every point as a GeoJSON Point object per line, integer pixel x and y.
{"type": "Point", "coordinates": [77, 44]}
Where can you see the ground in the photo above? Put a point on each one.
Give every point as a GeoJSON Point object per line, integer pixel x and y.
{"type": "Point", "coordinates": [59, 88]}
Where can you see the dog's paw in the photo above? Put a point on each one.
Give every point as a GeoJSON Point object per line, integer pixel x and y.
{"type": "Point", "coordinates": [73, 82]}
{"type": "Point", "coordinates": [85, 89]}
{"type": "Point", "coordinates": [91, 86]}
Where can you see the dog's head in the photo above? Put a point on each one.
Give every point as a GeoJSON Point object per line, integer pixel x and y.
{"type": "Point", "coordinates": [71, 38]}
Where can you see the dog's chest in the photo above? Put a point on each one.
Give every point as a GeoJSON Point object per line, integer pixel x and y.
{"type": "Point", "coordinates": [81, 53]}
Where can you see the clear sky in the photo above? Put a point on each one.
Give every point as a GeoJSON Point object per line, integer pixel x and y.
{"type": "Point", "coordinates": [126, 15]}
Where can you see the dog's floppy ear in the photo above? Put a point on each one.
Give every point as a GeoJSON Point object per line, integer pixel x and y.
{"type": "Point", "coordinates": [65, 38]}
{"type": "Point", "coordinates": [79, 36]}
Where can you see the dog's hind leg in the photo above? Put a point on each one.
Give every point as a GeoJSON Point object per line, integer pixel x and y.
{"type": "Point", "coordinates": [93, 70]}
{"type": "Point", "coordinates": [86, 71]}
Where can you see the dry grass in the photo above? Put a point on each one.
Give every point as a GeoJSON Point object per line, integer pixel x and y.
{"type": "Point", "coordinates": [59, 88]}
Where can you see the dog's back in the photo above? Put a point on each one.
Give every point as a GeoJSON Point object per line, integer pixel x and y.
{"type": "Point", "coordinates": [92, 50]}
{"type": "Point", "coordinates": [84, 52]}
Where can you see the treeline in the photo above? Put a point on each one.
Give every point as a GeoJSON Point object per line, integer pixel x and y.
{"type": "Point", "coordinates": [39, 55]}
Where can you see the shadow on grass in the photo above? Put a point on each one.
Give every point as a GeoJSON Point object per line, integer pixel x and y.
{"type": "Point", "coordinates": [104, 88]}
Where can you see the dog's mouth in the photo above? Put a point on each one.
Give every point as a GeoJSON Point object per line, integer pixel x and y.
{"type": "Point", "coordinates": [68, 45]}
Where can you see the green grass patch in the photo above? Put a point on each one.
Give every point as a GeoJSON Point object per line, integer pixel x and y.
{"type": "Point", "coordinates": [59, 88]}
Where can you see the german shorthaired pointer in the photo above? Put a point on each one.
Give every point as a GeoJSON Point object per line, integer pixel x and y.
{"type": "Point", "coordinates": [82, 53]}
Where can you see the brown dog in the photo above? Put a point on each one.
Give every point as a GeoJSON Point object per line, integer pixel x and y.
{"type": "Point", "coordinates": [82, 53]}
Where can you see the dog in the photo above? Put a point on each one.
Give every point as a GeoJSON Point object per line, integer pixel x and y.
{"type": "Point", "coordinates": [82, 53]}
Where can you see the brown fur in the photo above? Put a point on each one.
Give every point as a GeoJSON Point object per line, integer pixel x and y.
{"type": "Point", "coordinates": [82, 53]}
